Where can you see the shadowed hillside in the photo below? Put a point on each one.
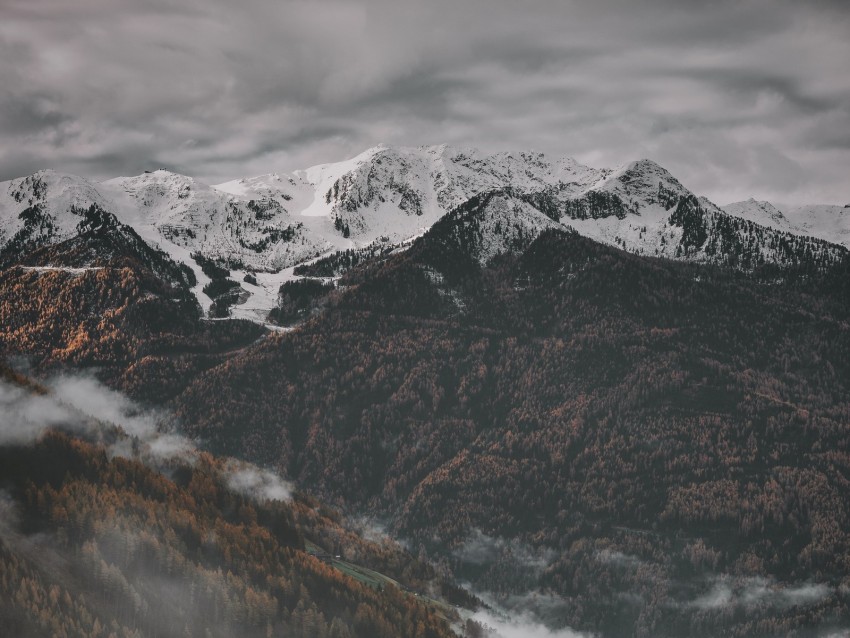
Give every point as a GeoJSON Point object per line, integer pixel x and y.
{"type": "Point", "coordinates": [584, 403]}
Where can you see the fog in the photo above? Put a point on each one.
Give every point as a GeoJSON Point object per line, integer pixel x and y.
{"type": "Point", "coordinates": [728, 592]}
{"type": "Point", "coordinates": [256, 483]}
{"type": "Point", "coordinates": [520, 626]}
{"type": "Point", "coordinates": [88, 396]}
{"type": "Point", "coordinates": [636, 584]}
{"type": "Point", "coordinates": [26, 416]}
{"type": "Point", "coordinates": [481, 549]}
{"type": "Point", "coordinates": [612, 557]}
{"type": "Point", "coordinates": [82, 405]}
{"type": "Point", "coordinates": [519, 616]}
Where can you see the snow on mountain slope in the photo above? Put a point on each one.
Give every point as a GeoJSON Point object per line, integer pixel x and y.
{"type": "Point", "coordinates": [385, 196]}
{"type": "Point", "coordinates": [763, 213]}
{"type": "Point", "coordinates": [642, 183]}
{"type": "Point", "coordinates": [642, 208]}
{"type": "Point", "coordinates": [258, 233]}
{"type": "Point", "coordinates": [692, 230]}
{"type": "Point", "coordinates": [822, 220]}
{"type": "Point", "coordinates": [494, 223]}
{"type": "Point", "coordinates": [290, 191]}
{"type": "Point", "coordinates": [249, 231]}
{"type": "Point", "coordinates": [271, 222]}
{"type": "Point", "coordinates": [710, 235]}
{"type": "Point", "coordinates": [629, 208]}
{"type": "Point", "coordinates": [828, 222]}
{"type": "Point", "coordinates": [398, 192]}
{"type": "Point", "coordinates": [390, 194]}
{"type": "Point", "coordinates": [43, 207]}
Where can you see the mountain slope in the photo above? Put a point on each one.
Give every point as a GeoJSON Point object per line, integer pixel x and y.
{"type": "Point", "coordinates": [105, 298]}
{"type": "Point", "coordinates": [763, 213]}
{"type": "Point", "coordinates": [827, 222]}
{"type": "Point", "coordinates": [627, 434]}
{"type": "Point", "coordinates": [259, 233]}
{"type": "Point", "coordinates": [43, 208]}
{"type": "Point", "coordinates": [101, 535]}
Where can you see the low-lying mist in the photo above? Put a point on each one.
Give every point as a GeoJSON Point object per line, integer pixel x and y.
{"type": "Point", "coordinates": [82, 405]}
{"type": "Point", "coordinates": [521, 625]}
{"type": "Point", "coordinates": [634, 587]}
{"type": "Point", "coordinates": [519, 616]}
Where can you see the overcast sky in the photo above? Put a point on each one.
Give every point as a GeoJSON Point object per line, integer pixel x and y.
{"type": "Point", "coordinates": [735, 98]}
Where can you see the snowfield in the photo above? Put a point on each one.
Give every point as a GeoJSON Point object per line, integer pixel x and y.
{"type": "Point", "coordinates": [823, 221]}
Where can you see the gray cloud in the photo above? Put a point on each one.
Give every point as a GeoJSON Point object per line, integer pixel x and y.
{"type": "Point", "coordinates": [735, 98]}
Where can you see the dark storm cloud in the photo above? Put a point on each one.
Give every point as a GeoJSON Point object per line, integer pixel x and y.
{"type": "Point", "coordinates": [31, 113]}
{"type": "Point", "coordinates": [736, 98]}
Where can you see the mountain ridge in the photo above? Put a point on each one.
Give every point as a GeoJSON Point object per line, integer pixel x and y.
{"type": "Point", "coordinates": [262, 227]}
{"type": "Point", "coordinates": [830, 222]}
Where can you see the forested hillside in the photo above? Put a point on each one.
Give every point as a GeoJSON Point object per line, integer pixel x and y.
{"type": "Point", "coordinates": [105, 299]}
{"type": "Point", "coordinates": [647, 430]}
{"type": "Point", "coordinates": [94, 544]}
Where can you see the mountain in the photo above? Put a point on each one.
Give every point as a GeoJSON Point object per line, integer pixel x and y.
{"type": "Point", "coordinates": [104, 298]}
{"type": "Point", "coordinates": [402, 191]}
{"type": "Point", "coordinates": [645, 447]}
{"type": "Point", "coordinates": [828, 222]}
{"type": "Point", "coordinates": [762, 213]}
{"type": "Point", "coordinates": [259, 234]}
{"type": "Point", "coordinates": [601, 401]}
{"type": "Point", "coordinates": [389, 194]}
{"type": "Point", "coordinates": [492, 224]}
{"type": "Point", "coordinates": [43, 208]}
{"type": "Point", "coordinates": [259, 229]}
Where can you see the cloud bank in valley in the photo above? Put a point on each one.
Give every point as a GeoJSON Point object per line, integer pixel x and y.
{"type": "Point", "coordinates": [26, 416]}
{"type": "Point", "coordinates": [751, 592]}
{"type": "Point", "coordinates": [736, 98]}
{"type": "Point", "coordinates": [521, 626]}
{"type": "Point", "coordinates": [257, 483]}
{"type": "Point", "coordinates": [81, 404]}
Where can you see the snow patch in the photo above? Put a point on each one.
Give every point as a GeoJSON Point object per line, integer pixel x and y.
{"type": "Point", "coordinates": [68, 269]}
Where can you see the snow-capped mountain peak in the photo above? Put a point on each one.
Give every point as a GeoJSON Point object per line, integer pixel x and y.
{"type": "Point", "coordinates": [823, 221]}
{"type": "Point", "coordinates": [761, 212]}
{"type": "Point", "coordinates": [44, 207]}
{"type": "Point", "coordinates": [385, 196]}
{"type": "Point", "coordinates": [642, 183]}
